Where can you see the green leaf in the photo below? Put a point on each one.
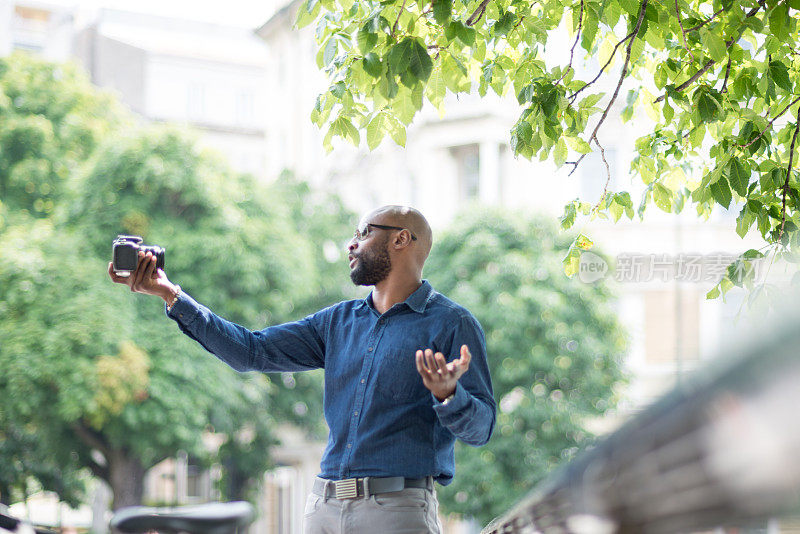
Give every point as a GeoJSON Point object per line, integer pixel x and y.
{"type": "Point", "coordinates": [572, 260]}
{"type": "Point", "coordinates": [708, 102]}
{"type": "Point", "coordinates": [630, 6]}
{"type": "Point", "coordinates": [715, 44]}
{"type": "Point", "coordinates": [387, 86]}
{"type": "Point", "coordinates": [420, 63]}
{"type": "Point", "coordinates": [436, 88]}
{"type": "Point", "coordinates": [504, 24]}
{"type": "Point", "coordinates": [560, 152]}
{"type": "Point", "coordinates": [366, 41]}
{"type": "Point", "coordinates": [590, 100]}
{"type": "Point", "coordinates": [739, 176]}
{"type": "Point", "coordinates": [583, 242]}
{"type": "Point", "coordinates": [442, 11]}
{"type": "Point", "coordinates": [306, 14]}
{"type": "Point", "coordinates": [579, 145]}
{"type": "Point", "coordinates": [752, 254]}
{"type": "Point", "coordinates": [721, 192]}
{"type": "Point", "coordinates": [407, 102]}
{"type": "Point", "coordinates": [662, 197]}
{"type": "Point", "coordinates": [779, 21]}
{"type": "Point", "coordinates": [396, 129]}
{"type": "Point", "coordinates": [372, 65]}
{"type": "Point", "coordinates": [466, 34]}
{"type": "Point", "coordinates": [524, 131]}
{"type": "Point", "coordinates": [331, 49]}
{"type": "Point", "coordinates": [455, 74]}
{"type": "Point", "coordinates": [744, 221]}
{"type": "Point", "coordinates": [616, 210]}
{"type": "Point", "coordinates": [399, 56]}
{"type": "Point", "coordinates": [780, 75]}
{"type": "Point", "coordinates": [376, 131]}
{"type": "Point", "coordinates": [568, 217]}
{"type": "Point", "coordinates": [714, 293]}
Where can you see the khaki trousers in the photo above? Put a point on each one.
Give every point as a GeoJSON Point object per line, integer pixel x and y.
{"type": "Point", "coordinates": [409, 511]}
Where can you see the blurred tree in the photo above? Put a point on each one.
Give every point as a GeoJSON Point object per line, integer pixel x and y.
{"type": "Point", "coordinates": [100, 379]}
{"type": "Point", "coordinates": [554, 348]}
{"type": "Point", "coordinates": [51, 120]}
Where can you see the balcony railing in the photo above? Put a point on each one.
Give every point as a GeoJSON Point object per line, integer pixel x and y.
{"type": "Point", "coordinates": [723, 450]}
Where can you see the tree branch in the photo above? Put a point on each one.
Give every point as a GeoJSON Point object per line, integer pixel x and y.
{"type": "Point", "coordinates": [91, 439]}
{"type": "Point", "coordinates": [99, 471]}
{"type": "Point", "coordinates": [571, 97]}
{"type": "Point", "coordinates": [694, 28]}
{"type": "Point", "coordinates": [477, 14]}
{"type": "Point", "coordinates": [792, 103]}
{"type": "Point", "coordinates": [724, 88]}
{"type": "Point", "coordinates": [608, 174]}
{"type": "Point", "coordinates": [397, 20]}
{"type": "Point", "coordinates": [622, 75]}
{"type": "Point", "coordinates": [691, 80]}
{"type": "Point", "coordinates": [572, 50]}
{"type": "Point", "coordinates": [711, 62]}
{"type": "Point", "coordinates": [788, 174]}
{"type": "Point", "coordinates": [683, 31]}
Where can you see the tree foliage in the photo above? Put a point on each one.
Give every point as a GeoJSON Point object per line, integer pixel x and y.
{"type": "Point", "coordinates": [100, 379]}
{"type": "Point", "coordinates": [716, 79]}
{"type": "Point", "coordinates": [554, 348]}
{"type": "Point", "coordinates": [51, 120]}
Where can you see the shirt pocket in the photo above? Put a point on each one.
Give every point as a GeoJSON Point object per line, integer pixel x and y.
{"type": "Point", "coordinates": [399, 379]}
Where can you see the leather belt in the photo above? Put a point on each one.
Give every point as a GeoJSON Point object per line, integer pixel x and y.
{"type": "Point", "coordinates": [351, 488]}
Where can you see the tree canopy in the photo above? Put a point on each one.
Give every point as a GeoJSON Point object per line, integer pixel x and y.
{"type": "Point", "coordinates": [98, 379]}
{"type": "Point", "coordinates": [554, 347]}
{"type": "Point", "coordinates": [716, 79]}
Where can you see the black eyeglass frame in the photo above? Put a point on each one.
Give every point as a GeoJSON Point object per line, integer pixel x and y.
{"type": "Point", "coordinates": [362, 236]}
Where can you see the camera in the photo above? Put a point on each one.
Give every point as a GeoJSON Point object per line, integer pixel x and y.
{"type": "Point", "coordinates": [125, 253]}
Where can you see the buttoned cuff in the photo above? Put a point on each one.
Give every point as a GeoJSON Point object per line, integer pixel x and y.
{"type": "Point", "coordinates": [459, 401]}
{"type": "Point", "coordinates": [184, 311]}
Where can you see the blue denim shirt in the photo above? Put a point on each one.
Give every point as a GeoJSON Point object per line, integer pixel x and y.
{"type": "Point", "coordinates": [383, 421]}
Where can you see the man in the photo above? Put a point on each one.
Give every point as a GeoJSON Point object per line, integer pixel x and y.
{"type": "Point", "coordinates": [393, 403]}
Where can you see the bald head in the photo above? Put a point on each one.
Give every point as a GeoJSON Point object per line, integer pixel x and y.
{"type": "Point", "coordinates": [406, 217]}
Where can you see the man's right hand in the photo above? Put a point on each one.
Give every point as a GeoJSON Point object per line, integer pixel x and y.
{"type": "Point", "coordinates": [146, 278]}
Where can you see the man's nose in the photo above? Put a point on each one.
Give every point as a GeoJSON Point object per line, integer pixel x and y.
{"type": "Point", "coordinates": [352, 245]}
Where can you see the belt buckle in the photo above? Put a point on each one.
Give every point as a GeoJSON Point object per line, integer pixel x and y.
{"type": "Point", "coordinates": [345, 489]}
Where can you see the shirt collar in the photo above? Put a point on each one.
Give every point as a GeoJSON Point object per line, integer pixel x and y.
{"type": "Point", "coordinates": [417, 300]}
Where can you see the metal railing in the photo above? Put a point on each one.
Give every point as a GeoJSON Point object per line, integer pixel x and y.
{"type": "Point", "coordinates": [722, 450]}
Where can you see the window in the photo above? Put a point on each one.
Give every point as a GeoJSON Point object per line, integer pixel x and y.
{"type": "Point", "coordinates": [671, 326]}
{"type": "Point", "coordinates": [196, 101]}
{"type": "Point", "coordinates": [245, 107]}
{"type": "Point", "coordinates": [467, 159]}
{"type": "Point", "coordinates": [194, 482]}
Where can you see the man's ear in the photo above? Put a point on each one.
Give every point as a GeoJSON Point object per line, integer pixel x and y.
{"type": "Point", "coordinates": [403, 239]}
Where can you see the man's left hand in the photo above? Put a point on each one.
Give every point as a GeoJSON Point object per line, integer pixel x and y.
{"type": "Point", "coordinates": [439, 376]}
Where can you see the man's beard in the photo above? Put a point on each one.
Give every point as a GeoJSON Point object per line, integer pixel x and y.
{"type": "Point", "coordinates": [372, 267]}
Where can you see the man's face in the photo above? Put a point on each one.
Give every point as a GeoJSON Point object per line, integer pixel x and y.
{"type": "Point", "coordinates": [369, 259]}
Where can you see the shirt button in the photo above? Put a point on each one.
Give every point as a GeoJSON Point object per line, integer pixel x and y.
{"type": "Point", "coordinates": [369, 349]}
{"type": "Point", "coordinates": [349, 445]}
{"type": "Point", "coordinates": [355, 412]}
{"type": "Point", "coordinates": [362, 380]}
{"type": "Point", "coordinates": [381, 321]}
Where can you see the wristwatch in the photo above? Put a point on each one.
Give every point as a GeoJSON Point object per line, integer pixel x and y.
{"type": "Point", "coordinates": [446, 401]}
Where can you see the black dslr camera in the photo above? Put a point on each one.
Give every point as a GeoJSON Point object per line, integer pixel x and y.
{"type": "Point", "coordinates": [125, 249]}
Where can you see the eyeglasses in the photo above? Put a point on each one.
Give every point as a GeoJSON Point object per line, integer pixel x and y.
{"type": "Point", "coordinates": [362, 233]}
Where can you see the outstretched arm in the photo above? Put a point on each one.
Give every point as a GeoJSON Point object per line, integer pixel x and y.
{"type": "Point", "coordinates": [295, 346]}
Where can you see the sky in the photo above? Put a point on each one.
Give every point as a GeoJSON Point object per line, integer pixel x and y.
{"type": "Point", "coordinates": [244, 13]}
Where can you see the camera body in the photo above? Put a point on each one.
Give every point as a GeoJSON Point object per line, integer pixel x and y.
{"type": "Point", "coordinates": [125, 253]}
